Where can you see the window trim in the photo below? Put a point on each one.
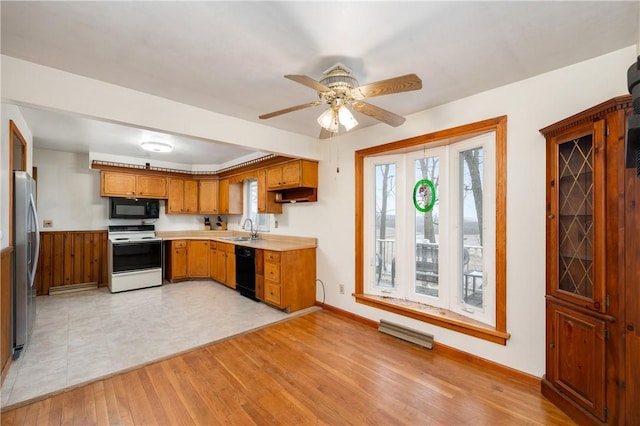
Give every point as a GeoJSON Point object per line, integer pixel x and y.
{"type": "Point", "coordinates": [438, 316]}
{"type": "Point", "coordinates": [247, 214]}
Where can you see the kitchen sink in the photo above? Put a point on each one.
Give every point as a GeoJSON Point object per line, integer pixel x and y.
{"type": "Point", "coordinates": [236, 238]}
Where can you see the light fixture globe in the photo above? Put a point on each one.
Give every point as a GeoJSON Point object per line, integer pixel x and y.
{"type": "Point", "coordinates": [346, 118]}
{"type": "Point", "coordinates": [156, 146]}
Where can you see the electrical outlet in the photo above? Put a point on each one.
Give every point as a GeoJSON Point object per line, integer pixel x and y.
{"type": "Point", "coordinates": [47, 223]}
{"type": "Point", "coordinates": [341, 288]}
{"type": "Point", "coordinates": [275, 225]}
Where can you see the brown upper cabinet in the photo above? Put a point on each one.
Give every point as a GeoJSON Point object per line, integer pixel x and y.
{"type": "Point", "coordinates": [116, 184]}
{"type": "Point", "coordinates": [295, 174]}
{"type": "Point", "coordinates": [183, 196]}
{"type": "Point", "coordinates": [266, 199]}
{"type": "Point", "coordinates": [208, 196]}
{"type": "Point", "coordinates": [230, 197]}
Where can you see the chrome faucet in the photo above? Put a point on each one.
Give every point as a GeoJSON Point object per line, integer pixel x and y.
{"type": "Point", "coordinates": [252, 232]}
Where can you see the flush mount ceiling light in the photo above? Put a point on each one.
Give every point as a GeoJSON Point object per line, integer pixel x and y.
{"type": "Point", "coordinates": [339, 89]}
{"type": "Point", "coordinates": [156, 146]}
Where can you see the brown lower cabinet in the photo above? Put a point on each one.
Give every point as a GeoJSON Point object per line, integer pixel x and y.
{"type": "Point", "coordinates": [198, 259]}
{"type": "Point", "coordinates": [260, 274]}
{"type": "Point", "coordinates": [226, 265]}
{"type": "Point", "coordinates": [284, 279]}
{"type": "Point", "coordinates": [289, 279]}
{"type": "Point", "coordinates": [176, 267]}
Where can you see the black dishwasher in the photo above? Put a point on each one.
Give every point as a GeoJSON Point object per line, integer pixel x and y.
{"type": "Point", "coordinates": [246, 271]}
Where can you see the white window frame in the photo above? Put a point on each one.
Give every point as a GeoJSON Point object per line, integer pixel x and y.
{"type": "Point", "coordinates": [450, 233]}
{"type": "Point", "coordinates": [260, 220]}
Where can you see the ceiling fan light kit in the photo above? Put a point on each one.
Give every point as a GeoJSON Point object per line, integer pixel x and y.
{"type": "Point", "coordinates": [346, 118]}
{"type": "Point", "coordinates": [331, 120]}
{"type": "Point", "coordinates": [156, 146]}
{"type": "Point", "coordinates": [339, 88]}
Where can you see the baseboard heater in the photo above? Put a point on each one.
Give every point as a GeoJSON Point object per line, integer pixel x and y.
{"type": "Point", "coordinates": [414, 336]}
{"type": "Point", "coordinates": [72, 288]}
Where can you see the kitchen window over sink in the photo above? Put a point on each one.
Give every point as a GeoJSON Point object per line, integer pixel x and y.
{"type": "Point", "coordinates": [260, 221]}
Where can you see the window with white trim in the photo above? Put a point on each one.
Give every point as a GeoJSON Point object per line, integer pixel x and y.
{"type": "Point", "coordinates": [429, 226]}
{"type": "Point", "coordinates": [260, 221]}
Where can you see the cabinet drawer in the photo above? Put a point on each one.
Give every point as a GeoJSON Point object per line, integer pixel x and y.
{"type": "Point", "coordinates": [271, 256]}
{"type": "Point", "coordinates": [272, 293]}
{"type": "Point", "coordinates": [213, 245]}
{"type": "Point", "coordinates": [272, 271]}
{"type": "Point", "coordinates": [179, 243]}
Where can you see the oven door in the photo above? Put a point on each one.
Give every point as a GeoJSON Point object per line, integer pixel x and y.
{"type": "Point", "coordinates": [136, 256]}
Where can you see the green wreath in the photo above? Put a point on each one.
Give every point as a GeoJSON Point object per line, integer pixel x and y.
{"type": "Point", "coordinates": [424, 195]}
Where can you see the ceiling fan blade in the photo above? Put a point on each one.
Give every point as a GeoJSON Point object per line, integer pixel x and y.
{"type": "Point", "coordinates": [404, 83]}
{"type": "Point", "coordinates": [324, 133]}
{"type": "Point", "coordinates": [309, 82]}
{"type": "Point", "coordinates": [378, 113]}
{"type": "Point", "coordinates": [290, 109]}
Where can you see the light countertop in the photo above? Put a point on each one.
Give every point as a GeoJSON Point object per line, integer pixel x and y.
{"type": "Point", "coordinates": [265, 241]}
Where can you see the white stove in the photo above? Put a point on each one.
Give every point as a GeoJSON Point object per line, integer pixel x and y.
{"type": "Point", "coordinates": [135, 257]}
{"type": "Point", "coordinates": [129, 233]}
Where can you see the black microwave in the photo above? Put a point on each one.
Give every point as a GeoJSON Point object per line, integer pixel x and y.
{"type": "Point", "coordinates": [134, 208]}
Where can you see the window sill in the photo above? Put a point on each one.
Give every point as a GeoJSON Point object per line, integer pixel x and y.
{"type": "Point", "coordinates": [436, 316]}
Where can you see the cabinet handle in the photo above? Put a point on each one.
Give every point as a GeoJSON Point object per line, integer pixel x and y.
{"type": "Point", "coordinates": [551, 216]}
{"type": "Point", "coordinates": [552, 345]}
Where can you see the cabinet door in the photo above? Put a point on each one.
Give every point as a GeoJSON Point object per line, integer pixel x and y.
{"type": "Point", "coordinates": [260, 274]}
{"type": "Point", "coordinates": [576, 356]}
{"type": "Point", "coordinates": [576, 216]}
{"type": "Point", "coordinates": [272, 271]}
{"type": "Point", "coordinates": [291, 174]}
{"type": "Point", "coordinates": [151, 186]}
{"type": "Point", "coordinates": [175, 203]}
{"type": "Point", "coordinates": [223, 196]}
{"type": "Point", "coordinates": [235, 198]}
{"type": "Point", "coordinates": [220, 273]}
{"type": "Point", "coordinates": [273, 293]}
{"type": "Point", "coordinates": [231, 269]}
{"type": "Point", "coordinates": [179, 268]}
{"type": "Point", "coordinates": [208, 196]}
{"type": "Point", "coordinates": [213, 260]}
{"type": "Point", "coordinates": [274, 177]}
{"type": "Point", "coordinates": [198, 259]}
{"type": "Point", "coordinates": [272, 279]}
{"type": "Point", "coordinates": [266, 199]}
{"type": "Point", "coordinates": [115, 184]}
{"type": "Point", "coordinates": [190, 196]}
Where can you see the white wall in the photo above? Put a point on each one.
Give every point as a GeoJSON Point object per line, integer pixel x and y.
{"type": "Point", "coordinates": [10, 112]}
{"type": "Point", "coordinates": [530, 105]}
{"type": "Point", "coordinates": [69, 195]}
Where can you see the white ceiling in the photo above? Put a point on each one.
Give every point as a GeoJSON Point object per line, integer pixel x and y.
{"type": "Point", "coordinates": [230, 57]}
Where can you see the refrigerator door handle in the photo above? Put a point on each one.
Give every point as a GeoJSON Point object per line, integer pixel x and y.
{"type": "Point", "coordinates": [32, 206]}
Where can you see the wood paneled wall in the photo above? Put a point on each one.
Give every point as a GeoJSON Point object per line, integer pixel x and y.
{"type": "Point", "coordinates": [6, 289]}
{"type": "Point", "coordinates": [71, 257]}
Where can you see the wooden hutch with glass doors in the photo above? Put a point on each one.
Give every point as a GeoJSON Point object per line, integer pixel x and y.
{"type": "Point", "coordinates": [592, 293]}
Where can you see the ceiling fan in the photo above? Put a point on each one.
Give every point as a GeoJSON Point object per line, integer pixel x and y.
{"type": "Point", "coordinates": [339, 88]}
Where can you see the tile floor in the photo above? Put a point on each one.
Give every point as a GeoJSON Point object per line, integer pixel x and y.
{"type": "Point", "coordinates": [81, 336]}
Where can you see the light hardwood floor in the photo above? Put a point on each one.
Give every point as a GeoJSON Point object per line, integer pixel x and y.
{"type": "Point", "coordinates": [319, 368]}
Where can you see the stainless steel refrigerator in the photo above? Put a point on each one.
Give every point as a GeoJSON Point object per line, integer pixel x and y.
{"type": "Point", "coordinates": [26, 237]}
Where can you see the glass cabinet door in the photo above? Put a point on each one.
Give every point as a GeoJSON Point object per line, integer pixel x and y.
{"type": "Point", "coordinates": [576, 218]}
